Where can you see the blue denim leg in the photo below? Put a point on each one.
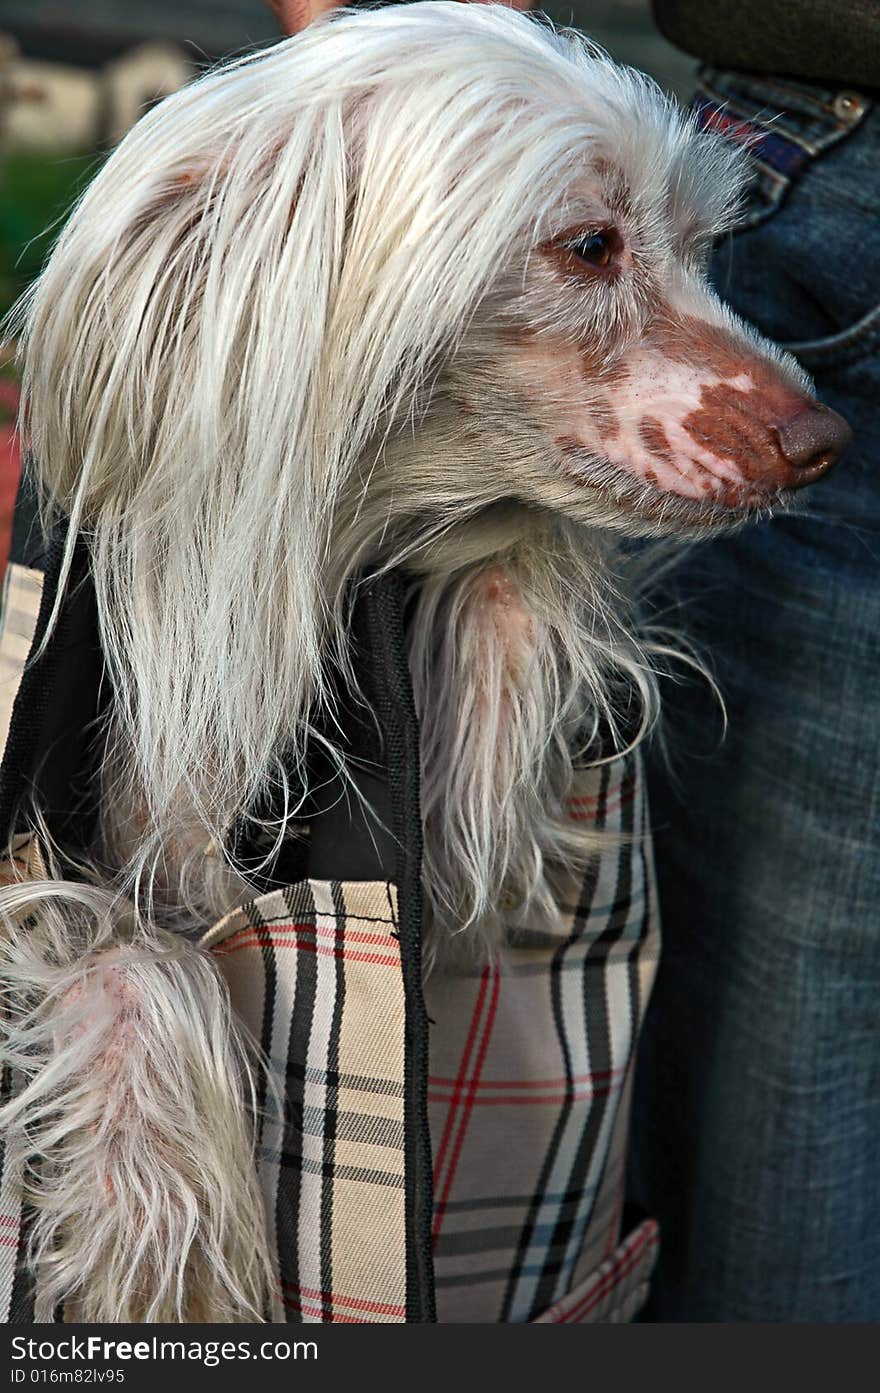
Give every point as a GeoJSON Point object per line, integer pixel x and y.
{"type": "Point", "coordinates": [757, 1126]}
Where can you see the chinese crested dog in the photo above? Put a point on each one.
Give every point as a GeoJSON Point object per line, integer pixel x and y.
{"type": "Point", "coordinates": [421, 288]}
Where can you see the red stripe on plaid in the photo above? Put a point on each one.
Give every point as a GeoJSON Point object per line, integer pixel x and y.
{"type": "Point", "coordinates": [462, 1101]}
{"type": "Point", "coordinates": [357, 1303]}
{"type": "Point", "coordinates": [590, 800]}
{"type": "Point", "coordinates": [322, 1313]}
{"type": "Point", "coordinates": [628, 1260]}
{"type": "Point", "coordinates": [303, 938]}
{"type": "Point", "coordinates": [268, 932]}
{"type": "Point", "coordinates": [612, 805]}
{"type": "Point", "coordinates": [457, 1083]}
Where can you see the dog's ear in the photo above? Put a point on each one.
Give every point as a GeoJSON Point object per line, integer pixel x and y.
{"type": "Point", "coordinates": [177, 380]}
{"type": "Point", "coordinates": [177, 337]}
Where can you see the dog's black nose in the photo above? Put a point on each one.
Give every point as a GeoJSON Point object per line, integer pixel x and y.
{"type": "Point", "coordinates": [812, 442]}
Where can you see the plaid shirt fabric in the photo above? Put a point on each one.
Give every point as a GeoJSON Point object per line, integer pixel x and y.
{"type": "Point", "coordinates": [528, 1087]}
{"type": "Point", "coordinates": [530, 1071]}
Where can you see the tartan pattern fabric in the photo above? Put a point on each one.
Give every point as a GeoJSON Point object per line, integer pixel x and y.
{"type": "Point", "coordinates": [617, 1290]}
{"type": "Point", "coordinates": [314, 973]}
{"type": "Point", "coordinates": [13, 1276]}
{"type": "Point", "coordinates": [22, 590]}
{"type": "Point", "coordinates": [530, 1077]}
{"type": "Point", "coordinates": [528, 1125]}
{"type": "Point", "coordinates": [529, 1087]}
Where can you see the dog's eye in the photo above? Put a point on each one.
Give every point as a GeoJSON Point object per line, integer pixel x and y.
{"type": "Point", "coordinates": [596, 249]}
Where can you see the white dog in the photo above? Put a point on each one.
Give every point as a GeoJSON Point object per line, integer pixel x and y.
{"type": "Point", "coordinates": [421, 289]}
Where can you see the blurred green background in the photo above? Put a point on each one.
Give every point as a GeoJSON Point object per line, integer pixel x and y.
{"type": "Point", "coordinates": [75, 75]}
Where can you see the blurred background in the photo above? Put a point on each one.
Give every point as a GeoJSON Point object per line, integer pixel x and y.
{"type": "Point", "coordinates": [76, 74]}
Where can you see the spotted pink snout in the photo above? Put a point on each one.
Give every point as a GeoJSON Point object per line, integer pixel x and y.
{"type": "Point", "coordinates": [698, 412]}
{"type": "Point", "coordinates": [752, 436]}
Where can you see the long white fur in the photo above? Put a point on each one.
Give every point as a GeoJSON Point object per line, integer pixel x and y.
{"type": "Point", "coordinates": [127, 1126]}
{"type": "Point", "coordinates": [264, 353]}
{"type": "Point", "coordinates": [536, 664]}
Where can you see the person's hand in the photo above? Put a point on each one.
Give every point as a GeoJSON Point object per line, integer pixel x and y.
{"type": "Point", "coordinates": [294, 15]}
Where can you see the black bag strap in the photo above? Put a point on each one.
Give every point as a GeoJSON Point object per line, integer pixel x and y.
{"type": "Point", "coordinates": [53, 744]}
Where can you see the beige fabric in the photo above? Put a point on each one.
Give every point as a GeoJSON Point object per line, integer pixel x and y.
{"type": "Point", "coordinates": [314, 973]}
{"type": "Point", "coordinates": [22, 591]}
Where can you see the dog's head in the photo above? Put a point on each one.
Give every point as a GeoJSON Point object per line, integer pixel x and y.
{"type": "Point", "coordinates": [445, 224]}
{"type": "Point", "coordinates": [599, 375]}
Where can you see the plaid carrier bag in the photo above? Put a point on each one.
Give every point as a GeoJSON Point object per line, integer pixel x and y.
{"type": "Point", "coordinates": [451, 1150]}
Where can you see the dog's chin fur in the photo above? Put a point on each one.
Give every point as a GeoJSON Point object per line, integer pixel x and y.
{"type": "Point", "coordinates": [300, 323]}
{"type": "Point", "coordinates": [653, 515]}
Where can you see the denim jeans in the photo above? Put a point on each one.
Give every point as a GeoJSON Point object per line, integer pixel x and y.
{"type": "Point", "coordinates": [757, 1131]}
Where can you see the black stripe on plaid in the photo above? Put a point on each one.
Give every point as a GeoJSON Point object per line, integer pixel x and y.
{"type": "Point", "coordinates": [332, 1170]}
{"type": "Point", "coordinates": [588, 890]}
{"type": "Point", "coordinates": [288, 1202]}
{"type": "Point", "coordinates": [601, 1060]}
{"type": "Point", "coordinates": [267, 956]}
{"type": "Point", "coordinates": [309, 1073]}
{"type": "Point", "coordinates": [331, 1107]}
